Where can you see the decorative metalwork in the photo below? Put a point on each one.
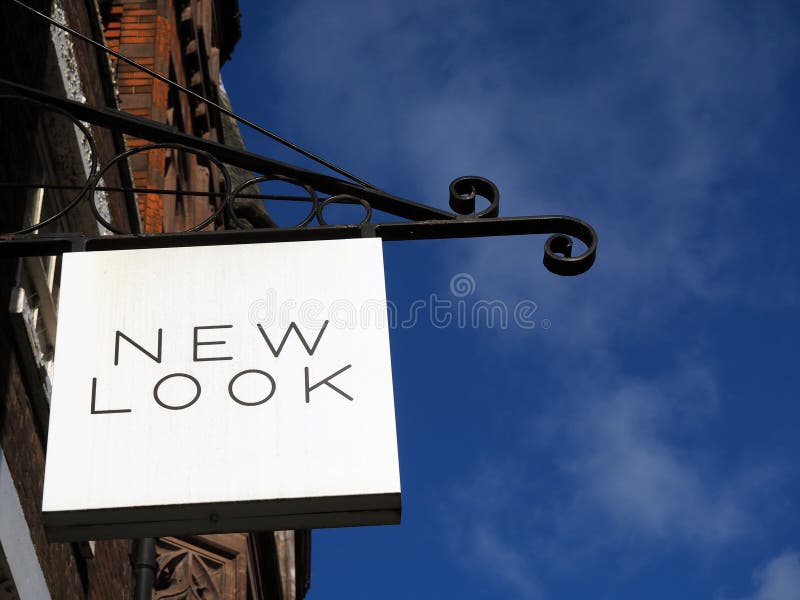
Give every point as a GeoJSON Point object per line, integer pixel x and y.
{"type": "Point", "coordinates": [81, 191]}
{"type": "Point", "coordinates": [422, 221]}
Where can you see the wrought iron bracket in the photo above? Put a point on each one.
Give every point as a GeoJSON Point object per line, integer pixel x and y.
{"type": "Point", "coordinates": [423, 221]}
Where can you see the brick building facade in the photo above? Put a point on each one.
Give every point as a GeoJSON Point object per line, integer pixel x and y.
{"type": "Point", "coordinates": [188, 41]}
{"type": "Point", "coordinates": [44, 162]}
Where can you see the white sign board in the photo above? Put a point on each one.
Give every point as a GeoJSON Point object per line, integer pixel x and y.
{"type": "Point", "coordinates": [225, 388]}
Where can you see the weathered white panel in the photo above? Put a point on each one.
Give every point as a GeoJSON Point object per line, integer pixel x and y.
{"type": "Point", "coordinates": [306, 456]}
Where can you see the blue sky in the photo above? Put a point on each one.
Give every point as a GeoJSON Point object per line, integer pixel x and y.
{"type": "Point", "coordinates": [641, 440]}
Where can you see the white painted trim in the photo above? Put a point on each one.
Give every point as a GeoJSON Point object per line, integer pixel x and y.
{"type": "Point", "coordinates": [15, 539]}
{"type": "Point", "coordinates": [73, 87]}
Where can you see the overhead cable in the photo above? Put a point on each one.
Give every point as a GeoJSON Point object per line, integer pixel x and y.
{"type": "Point", "coordinates": [158, 76]}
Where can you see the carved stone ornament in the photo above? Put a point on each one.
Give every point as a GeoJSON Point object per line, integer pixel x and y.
{"type": "Point", "coordinates": [212, 567]}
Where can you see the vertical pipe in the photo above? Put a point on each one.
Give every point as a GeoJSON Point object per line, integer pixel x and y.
{"type": "Point", "coordinates": [144, 567]}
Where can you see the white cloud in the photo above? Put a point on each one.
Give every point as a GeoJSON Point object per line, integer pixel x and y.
{"type": "Point", "coordinates": [477, 542]}
{"type": "Point", "coordinates": [779, 579]}
{"type": "Point", "coordinates": [498, 557]}
{"type": "Point", "coordinates": [625, 468]}
{"type": "Point", "coordinates": [619, 465]}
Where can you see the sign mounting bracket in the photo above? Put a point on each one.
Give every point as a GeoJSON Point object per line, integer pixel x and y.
{"type": "Point", "coordinates": [421, 220]}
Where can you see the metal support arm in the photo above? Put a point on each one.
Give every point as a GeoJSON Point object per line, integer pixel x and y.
{"type": "Point", "coordinates": [424, 222]}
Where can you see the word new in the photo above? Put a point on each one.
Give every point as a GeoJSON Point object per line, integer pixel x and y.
{"type": "Point", "coordinates": [268, 379]}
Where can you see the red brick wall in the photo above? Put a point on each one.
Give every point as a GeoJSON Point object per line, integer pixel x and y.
{"type": "Point", "coordinates": [147, 31]}
{"type": "Point", "coordinates": [138, 31]}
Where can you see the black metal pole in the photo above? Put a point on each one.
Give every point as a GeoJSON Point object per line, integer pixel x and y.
{"type": "Point", "coordinates": [144, 567]}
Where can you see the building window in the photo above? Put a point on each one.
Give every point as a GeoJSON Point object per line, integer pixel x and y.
{"type": "Point", "coordinates": [33, 307]}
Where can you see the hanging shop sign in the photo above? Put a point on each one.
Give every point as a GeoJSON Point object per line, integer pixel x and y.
{"type": "Point", "coordinates": [218, 389]}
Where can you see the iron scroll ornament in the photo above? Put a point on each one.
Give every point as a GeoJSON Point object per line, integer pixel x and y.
{"type": "Point", "coordinates": [422, 221]}
{"type": "Point", "coordinates": [80, 191]}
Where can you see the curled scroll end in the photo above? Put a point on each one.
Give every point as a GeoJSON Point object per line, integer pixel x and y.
{"type": "Point", "coordinates": [464, 190]}
{"type": "Point", "coordinates": [558, 257]}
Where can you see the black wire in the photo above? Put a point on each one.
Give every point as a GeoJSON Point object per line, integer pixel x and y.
{"type": "Point", "coordinates": [269, 134]}
{"type": "Point", "coordinates": [136, 190]}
